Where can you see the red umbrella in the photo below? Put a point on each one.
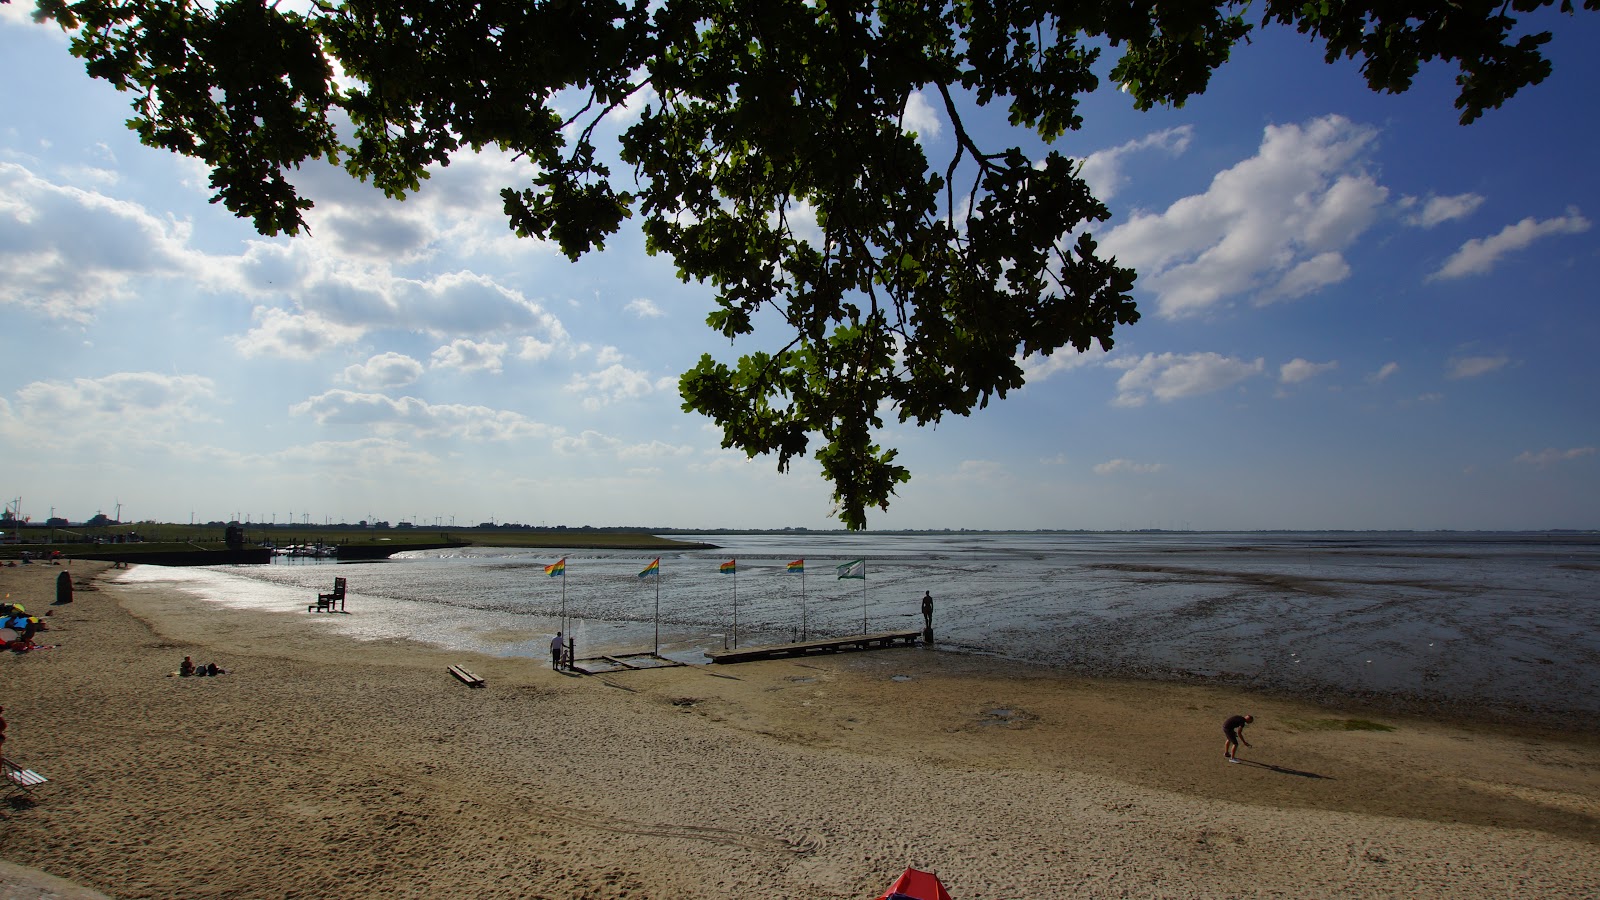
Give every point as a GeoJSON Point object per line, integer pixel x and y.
{"type": "Point", "coordinates": [915, 885]}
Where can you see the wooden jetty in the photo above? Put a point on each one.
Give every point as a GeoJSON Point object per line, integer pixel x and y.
{"type": "Point", "coordinates": [825, 645]}
{"type": "Point", "coordinates": [627, 662]}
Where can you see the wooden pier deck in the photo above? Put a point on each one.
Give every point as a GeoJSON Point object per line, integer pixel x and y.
{"type": "Point", "coordinates": [601, 665]}
{"type": "Point", "coordinates": [825, 645]}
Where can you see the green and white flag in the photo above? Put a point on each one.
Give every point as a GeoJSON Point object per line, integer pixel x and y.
{"type": "Point", "coordinates": [854, 569]}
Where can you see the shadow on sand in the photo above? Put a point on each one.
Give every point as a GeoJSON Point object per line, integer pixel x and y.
{"type": "Point", "coordinates": [1284, 770]}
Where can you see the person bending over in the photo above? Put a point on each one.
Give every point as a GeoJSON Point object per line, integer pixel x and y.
{"type": "Point", "coordinates": [1233, 729]}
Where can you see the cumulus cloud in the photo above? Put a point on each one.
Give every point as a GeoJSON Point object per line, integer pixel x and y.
{"type": "Point", "coordinates": [447, 211]}
{"type": "Point", "coordinates": [1037, 367]}
{"type": "Point", "coordinates": [1272, 227]}
{"type": "Point", "coordinates": [532, 349]}
{"type": "Point", "coordinates": [612, 384]}
{"type": "Point", "coordinates": [588, 443]}
{"type": "Point", "coordinates": [360, 457]}
{"type": "Point", "coordinates": [139, 407]}
{"type": "Point", "coordinates": [339, 302]}
{"type": "Point", "coordinates": [281, 333]}
{"type": "Point", "coordinates": [1127, 467]}
{"type": "Point", "coordinates": [644, 308]}
{"type": "Point", "coordinates": [389, 416]}
{"type": "Point", "coordinates": [921, 118]}
{"type": "Point", "coordinates": [1438, 210]}
{"type": "Point", "coordinates": [1479, 255]}
{"type": "Point", "coordinates": [66, 251]}
{"type": "Point", "coordinates": [1297, 370]}
{"type": "Point", "coordinates": [469, 356]}
{"type": "Point", "coordinates": [386, 370]}
{"type": "Point", "coordinates": [1473, 366]}
{"type": "Point", "coordinates": [654, 450]}
{"type": "Point", "coordinates": [1102, 170]}
{"type": "Point", "coordinates": [1171, 376]}
{"type": "Point", "coordinates": [1550, 456]}
{"type": "Point", "coordinates": [1384, 372]}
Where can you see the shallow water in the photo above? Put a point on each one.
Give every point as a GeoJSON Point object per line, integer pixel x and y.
{"type": "Point", "coordinates": [1464, 620]}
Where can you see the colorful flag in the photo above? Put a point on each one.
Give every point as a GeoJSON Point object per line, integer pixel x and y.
{"type": "Point", "coordinates": [798, 565]}
{"type": "Point", "coordinates": [854, 569]}
{"type": "Point", "coordinates": [556, 568]}
{"type": "Point", "coordinates": [653, 569]}
{"type": "Point", "coordinates": [728, 568]}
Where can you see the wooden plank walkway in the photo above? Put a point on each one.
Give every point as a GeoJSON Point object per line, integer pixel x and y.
{"type": "Point", "coordinates": [626, 662]}
{"type": "Point", "coordinates": [825, 645]}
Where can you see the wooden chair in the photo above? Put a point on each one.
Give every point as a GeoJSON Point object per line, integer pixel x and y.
{"type": "Point", "coordinates": [333, 602]}
{"type": "Point", "coordinates": [19, 780]}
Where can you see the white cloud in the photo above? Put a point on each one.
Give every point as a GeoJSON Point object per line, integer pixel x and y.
{"type": "Point", "coordinates": [1311, 275]}
{"type": "Point", "coordinates": [1102, 170]}
{"type": "Point", "coordinates": [980, 471]}
{"type": "Point", "coordinates": [278, 332]}
{"type": "Point", "coordinates": [67, 251]}
{"type": "Point", "coordinates": [410, 415]}
{"type": "Point", "coordinates": [1170, 376]}
{"type": "Point", "coordinates": [1037, 367]}
{"type": "Point", "coordinates": [1473, 366]}
{"type": "Point", "coordinates": [644, 308]}
{"type": "Point", "coordinates": [654, 450]}
{"type": "Point", "coordinates": [1384, 372]}
{"type": "Point", "coordinates": [533, 349]}
{"type": "Point", "coordinates": [138, 407]}
{"type": "Point", "coordinates": [1127, 467]}
{"type": "Point", "coordinates": [360, 457]}
{"type": "Point", "coordinates": [386, 370]}
{"type": "Point", "coordinates": [1479, 255]}
{"type": "Point", "coordinates": [1297, 370]}
{"type": "Point", "coordinates": [1551, 456]}
{"type": "Point", "coordinates": [921, 118]}
{"type": "Point", "coordinates": [1438, 210]}
{"type": "Point", "coordinates": [469, 356]}
{"type": "Point", "coordinates": [1272, 225]}
{"type": "Point", "coordinates": [589, 443]}
{"type": "Point", "coordinates": [612, 384]}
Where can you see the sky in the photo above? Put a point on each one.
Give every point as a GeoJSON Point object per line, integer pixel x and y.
{"type": "Point", "coordinates": [1357, 314]}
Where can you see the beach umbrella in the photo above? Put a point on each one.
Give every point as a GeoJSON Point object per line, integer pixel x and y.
{"type": "Point", "coordinates": [916, 885]}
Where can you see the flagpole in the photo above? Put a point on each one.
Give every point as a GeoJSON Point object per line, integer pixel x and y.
{"type": "Point", "coordinates": [804, 634]}
{"type": "Point", "coordinates": [736, 607]}
{"type": "Point", "coordinates": [863, 596]}
{"type": "Point", "coordinates": [658, 608]}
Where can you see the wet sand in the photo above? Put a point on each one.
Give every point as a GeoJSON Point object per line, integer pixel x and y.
{"type": "Point", "coordinates": [325, 767]}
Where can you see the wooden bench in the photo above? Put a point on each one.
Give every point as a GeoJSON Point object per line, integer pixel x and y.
{"type": "Point", "coordinates": [467, 678]}
{"type": "Point", "coordinates": [333, 602]}
{"type": "Point", "coordinates": [21, 780]}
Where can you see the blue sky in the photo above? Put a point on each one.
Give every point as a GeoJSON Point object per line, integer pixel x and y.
{"type": "Point", "coordinates": [1357, 314]}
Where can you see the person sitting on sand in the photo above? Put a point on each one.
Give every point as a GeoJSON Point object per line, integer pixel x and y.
{"type": "Point", "coordinates": [1233, 730]}
{"type": "Point", "coordinates": [214, 669]}
{"type": "Point", "coordinates": [186, 668]}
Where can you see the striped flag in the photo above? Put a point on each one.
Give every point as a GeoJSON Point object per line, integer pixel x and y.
{"type": "Point", "coordinates": [556, 568]}
{"type": "Point", "coordinates": [653, 569]}
{"type": "Point", "coordinates": [728, 568]}
{"type": "Point", "coordinates": [798, 565]}
{"type": "Point", "coordinates": [854, 569]}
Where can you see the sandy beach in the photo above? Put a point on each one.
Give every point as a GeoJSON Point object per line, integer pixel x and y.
{"type": "Point", "coordinates": [324, 767]}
